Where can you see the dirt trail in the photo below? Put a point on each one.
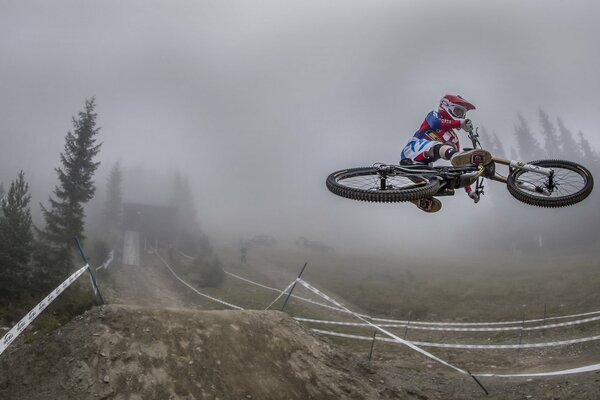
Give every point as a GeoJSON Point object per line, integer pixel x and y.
{"type": "Point", "coordinates": [151, 285]}
{"type": "Point", "coordinates": [157, 341]}
{"type": "Point", "coordinates": [125, 352]}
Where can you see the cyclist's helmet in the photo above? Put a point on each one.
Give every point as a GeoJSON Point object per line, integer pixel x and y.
{"type": "Point", "coordinates": [454, 107]}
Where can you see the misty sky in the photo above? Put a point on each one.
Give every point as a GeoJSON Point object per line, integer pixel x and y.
{"type": "Point", "coordinates": [257, 101]}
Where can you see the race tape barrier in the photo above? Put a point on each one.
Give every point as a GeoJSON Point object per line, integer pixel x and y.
{"type": "Point", "coordinates": [578, 370]}
{"type": "Point", "coordinates": [193, 288]}
{"type": "Point", "coordinates": [465, 346]}
{"type": "Point", "coordinates": [106, 263]}
{"type": "Point", "coordinates": [527, 321]}
{"type": "Point", "coordinates": [456, 329]}
{"type": "Point", "coordinates": [391, 335]}
{"type": "Point", "coordinates": [185, 255]}
{"type": "Point", "coordinates": [587, 368]}
{"type": "Point", "coordinates": [427, 323]}
{"type": "Point", "coordinates": [284, 291]}
{"type": "Point", "coordinates": [16, 330]}
{"type": "Point", "coordinates": [279, 290]}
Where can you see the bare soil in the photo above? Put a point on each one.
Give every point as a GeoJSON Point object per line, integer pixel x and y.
{"type": "Point", "coordinates": [159, 340]}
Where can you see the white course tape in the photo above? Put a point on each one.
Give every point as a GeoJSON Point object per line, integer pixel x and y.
{"type": "Point", "coordinates": [278, 291]}
{"type": "Point", "coordinates": [456, 329]}
{"type": "Point", "coordinates": [284, 291]}
{"type": "Point", "coordinates": [185, 255]}
{"type": "Point", "coordinates": [586, 368]}
{"type": "Point", "coordinates": [106, 263]}
{"type": "Point", "coordinates": [427, 323]}
{"type": "Point", "coordinates": [193, 288]}
{"type": "Point", "coordinates": [252, 282]}
{"type": "Point", "coordinates": [521, 322]}
{"type": "Point", "coordinates": [16, 330]}
{"type": "Point", "coordinates": [391, 335]}
{"type": "Point", "coordinates": [466, 346]}
{"type": "Point", "coordinates": [458, 325]}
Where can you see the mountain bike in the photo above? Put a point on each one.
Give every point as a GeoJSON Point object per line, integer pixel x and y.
{"type": "Point", "coordinates": [542, 183]}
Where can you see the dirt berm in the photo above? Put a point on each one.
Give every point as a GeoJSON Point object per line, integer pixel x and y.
{"type": "Point", "coordinates": [123, 352]}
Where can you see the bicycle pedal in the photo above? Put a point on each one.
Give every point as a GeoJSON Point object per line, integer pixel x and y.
{"type": "Point", "coordinates": [430, 205]}
{"type": "Point", "coordinates": [477, 159]}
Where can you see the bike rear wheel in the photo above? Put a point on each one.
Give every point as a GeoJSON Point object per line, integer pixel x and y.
{"type": "Point", "coordinates": [570, 184]}
{"type": "Point", "coordinates": [374, 184]}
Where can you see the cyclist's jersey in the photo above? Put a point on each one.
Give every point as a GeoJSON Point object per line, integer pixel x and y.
{"type": "Point", "coordinates": [433, 130]}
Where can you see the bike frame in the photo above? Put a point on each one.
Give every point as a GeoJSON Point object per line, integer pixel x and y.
{"type": "Point", "coordinates": [464, 176]}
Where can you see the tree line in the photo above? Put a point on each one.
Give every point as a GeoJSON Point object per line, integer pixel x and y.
{"type": "Point", "coordinates": [522, 228]}
{"type": "Point", "coordinates": [554, 141]}
{"type": "Point", "coordinates": [36, 259]}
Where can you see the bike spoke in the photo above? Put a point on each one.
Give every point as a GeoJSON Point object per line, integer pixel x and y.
{"type": "Point", "coordinates": [566, 182]}
{"type": "Point", "coordinates": [373, 182]}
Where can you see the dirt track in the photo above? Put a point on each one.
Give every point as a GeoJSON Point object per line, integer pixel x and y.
{"type": "Point", "coordinates": [159, 345]}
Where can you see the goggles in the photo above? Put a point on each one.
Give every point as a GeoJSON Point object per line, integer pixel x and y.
{"type": "Point", "coordinates": [458, 111]}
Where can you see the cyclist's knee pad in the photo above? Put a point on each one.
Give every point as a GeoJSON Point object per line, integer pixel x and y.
{"type": "Point", "coordinates": [436, 151]}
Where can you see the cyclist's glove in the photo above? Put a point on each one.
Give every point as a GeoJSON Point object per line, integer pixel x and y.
{"type": "Point", "coordinates": [475, 196]}
{"type": "Point", "coordinates": [466, 125]}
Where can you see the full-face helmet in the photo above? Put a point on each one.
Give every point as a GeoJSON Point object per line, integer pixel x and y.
{"type": "Point", "coordinates": [454, 107]}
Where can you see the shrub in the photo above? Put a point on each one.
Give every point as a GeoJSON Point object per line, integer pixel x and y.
{"type": "Point", "coordinates": [209, 272]}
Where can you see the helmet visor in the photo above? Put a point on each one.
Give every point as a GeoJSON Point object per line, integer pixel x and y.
{"type": "Point", "coordinates": [458, 111]}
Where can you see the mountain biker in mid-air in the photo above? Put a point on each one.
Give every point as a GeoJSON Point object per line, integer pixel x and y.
{"type": "Point", "coordinates": [436, 140]}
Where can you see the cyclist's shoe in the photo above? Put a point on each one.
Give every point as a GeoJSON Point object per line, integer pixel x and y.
{"type": "Point", "coordinates": [429, 205]}
{"type": "Point", "coordinates": [471, 157]}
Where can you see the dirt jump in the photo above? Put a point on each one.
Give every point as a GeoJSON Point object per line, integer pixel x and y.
{"type": "Point", "coordinates": [158, 340]}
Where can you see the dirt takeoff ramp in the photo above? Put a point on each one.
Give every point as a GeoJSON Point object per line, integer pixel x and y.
{"type": "Point", "coordinates": [123, 352]}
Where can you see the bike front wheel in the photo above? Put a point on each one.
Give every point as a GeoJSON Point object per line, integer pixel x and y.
{"type": "Point", "coordinates": [570, 184]}
{"type": "Point", "coordinates": [381, 185]}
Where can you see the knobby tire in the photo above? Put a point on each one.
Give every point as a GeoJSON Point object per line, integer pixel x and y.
{"type": "Point", "coordinates": [335, 184]}
{"type": "Point", "coordinates": [558, 201]}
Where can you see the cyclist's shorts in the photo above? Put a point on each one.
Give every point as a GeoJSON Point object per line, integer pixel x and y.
{"type": "Point", "coordinates": [416, 149]}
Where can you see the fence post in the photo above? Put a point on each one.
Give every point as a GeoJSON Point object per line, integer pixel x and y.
{"type": "Point", "coordinates": [544, 314]}
{"type": "Point", "coordinates": [97, 294]}
{"type": "Point", "coordinates": [293, 286]}
{"type": "Point", "coordinates": [372, 345]}
{"type": "Point", "coordinates": [407, 325]}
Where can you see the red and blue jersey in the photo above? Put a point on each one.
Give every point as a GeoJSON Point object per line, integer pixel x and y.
{"type": "Point", "coordinates": [438, 129]}
{"type": "Point", "coordinates": [433, 130]}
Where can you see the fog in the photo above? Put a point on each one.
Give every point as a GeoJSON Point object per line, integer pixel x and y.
{"type": "Point", "coordinates": [257, 102]}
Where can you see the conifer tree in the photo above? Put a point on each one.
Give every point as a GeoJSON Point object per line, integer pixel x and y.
{"type": "Point", "coordinates": [65, 218]}
{"type": "Point", "coordinates": [529, 147]}
{"type": "Point", "coordinates": [570, 148]}
{"type": "Point", "coordinates": [1, 195]}
{"type": "Point", "coordinates": [590, 156]}
{"type": "Point", "coordinates": [551, 142]}
{"type": "Point", "coordinates": [499, 146]}
{"type": "Point", "coordinates": [16, 237]}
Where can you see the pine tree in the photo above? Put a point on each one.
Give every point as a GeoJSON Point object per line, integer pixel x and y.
{"type": "Point", "coordinates": [590, 156]}
{"type": "Point", "coordinates": [113, 208]}
{"type": "Point", "coordinates": [529, 147]}
{"type": "Point", "coordinates": [16, 237]}
{"type": "Point", "coordinates": [1, 195]}
{"type": "Point", "coordinates": [570, 148]}
{"type": "Point", "coordinates": [552, 144]}
{"type": "Point", "coordinates": [499, 146]}
{"type": "Point", "coordinates": [65, 218]}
